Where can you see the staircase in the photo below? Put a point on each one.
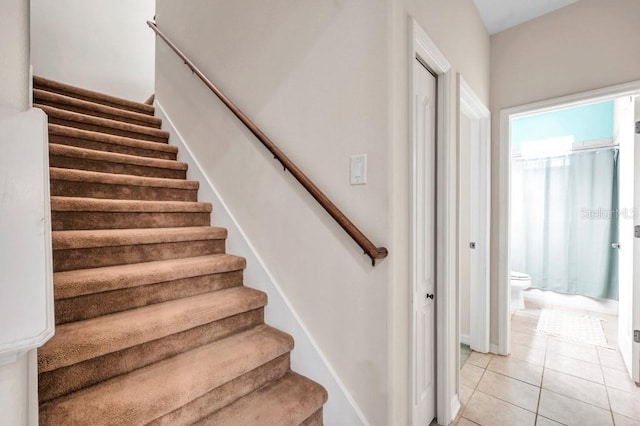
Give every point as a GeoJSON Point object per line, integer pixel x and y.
{"type": "Point", "coordinates": [153, 322]}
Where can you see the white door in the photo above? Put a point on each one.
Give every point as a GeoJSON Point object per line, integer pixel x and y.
{"type": "Point", "coordinates": [475, 200]}
{"type": "Point", "coordinates": [478, 244]}
{"type": "Point", "coordinates": [423, 292]}
{"type": "Point", "coordinates": [629, 249]}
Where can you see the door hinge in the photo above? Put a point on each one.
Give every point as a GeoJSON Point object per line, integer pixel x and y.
{"type": "Point", "coordinates": [636, 231]}
{"type": "Point", "coordinates": [637, 126]}
{"type": "Point", "coordinates": [636, 336]}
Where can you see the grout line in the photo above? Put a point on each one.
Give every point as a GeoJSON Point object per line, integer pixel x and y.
{"type": "Point", "coordinates": [606, 388]}
{"type": "Point", "coordinates": [544, 368]}
{"type": "Point", "coordinates": [547, 353]}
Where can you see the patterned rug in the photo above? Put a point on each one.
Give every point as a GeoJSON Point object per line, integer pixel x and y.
{"type": "Point", "coordinates": [572, 326]}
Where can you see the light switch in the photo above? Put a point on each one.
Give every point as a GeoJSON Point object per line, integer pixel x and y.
{"type": "Point", "coordinates": [359, 169]}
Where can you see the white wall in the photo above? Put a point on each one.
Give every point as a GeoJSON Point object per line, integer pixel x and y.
{"type": "Point", "coordinates": [14, 51]}
{"type": "Point", "coordinates": [587, 45]}
{"type": "Point", "coordinates": [16, 375]}
{"type": "Point", "coordinates": [325, 80]}
{"type": "Point", "coordinates": [458, 31]}
{"type": "Point", "coordinates": [102, 45]}
{"type": "Point", "coordinates": [313, 76]}
{"type": "Point", "coordinates": [19, 390]}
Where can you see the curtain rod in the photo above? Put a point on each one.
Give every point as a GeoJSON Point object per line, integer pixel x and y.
{"type": "Point", "coordinates": [573, 151]}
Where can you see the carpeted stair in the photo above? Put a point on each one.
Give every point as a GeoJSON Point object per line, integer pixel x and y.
{"type": "Point", "coordinates": [153, 322]}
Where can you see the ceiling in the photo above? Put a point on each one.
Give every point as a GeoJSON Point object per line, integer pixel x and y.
{"type": "Point", "coordinates": [498, 15]}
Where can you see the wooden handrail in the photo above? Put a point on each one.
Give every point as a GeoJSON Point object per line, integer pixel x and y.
{"type": "Point", "coordinates": [369, 248]}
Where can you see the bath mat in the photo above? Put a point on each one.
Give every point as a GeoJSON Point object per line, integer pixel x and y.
{"type": "Point", "coordinates": [572, 326]}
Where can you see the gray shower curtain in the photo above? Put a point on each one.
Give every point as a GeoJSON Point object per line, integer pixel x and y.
{"type": "Point", "coordinates": [564, 218]}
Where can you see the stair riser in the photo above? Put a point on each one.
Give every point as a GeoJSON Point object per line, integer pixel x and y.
{"type": "Point", "coordinates": [95, 305]}
{"type": "Point", "coordinates": [109, 147]}
{"type": "Point", "coordinates": [64, 162]}
{"type": "Point", "coordinates": [146, 121]}
{"type": "Point", "coordinates": [86, 96]}
{"type": "Point", "coordinates": [59, 382]}
{"type": "Point", "coordinates": [120, 192]}
{"type": "Point", "coordinates": [74, 220]}
{"type": "Point", "coordinates": [316, 419]}
{"type": "Point", "coordinates": [226, 394]}
{"type": "Point", "coordinates": [84, 258]}
{"type": "Point", "coordinates": [108, 130]}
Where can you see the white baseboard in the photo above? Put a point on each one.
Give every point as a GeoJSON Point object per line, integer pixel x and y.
{"type": "Point", "coordinates": [494, 349]}
{"type": "Point", "coordinates": [455, 406]}
{"type": "Point", "coordinates": [465, 340]}
{"type": "Point", "coordinates": [307, 357]}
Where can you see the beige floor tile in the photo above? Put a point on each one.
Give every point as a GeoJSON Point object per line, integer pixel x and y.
{"type": "Point", "coordinates": [574, 367]}
{"type": "Point", "coordinates": [532, 311]}
{"type": "Point", "coordinates": [621, 420]}
{"type": "Point", "coordinates": [479, 359]}
{"type": "Point", "coordinates": [464, 422]}
{"type": "Point", "coordinates": [611, 358]}
{"type": "Point", "coordinates": [486, 410]}
{"type": "Point", "coordinates": [533, 340]}
{"type": "Point", "coordinates": [511, 390]}
{"type": "Point", "coordinates": [625, 403]}
{"type": "Point", "coordinates": [523, 327]}
{"type": "Point", "coordinates": [572, 412]}
{"type": "Point", "coordinates": [573, 350]}
{"type": "Point", "coordinates": [619, 380]}
{"type": "Point", "coordinates": [470, 375]}
{"type": "Point", "coordinates": [525, 322]}
{"type": "Point", "coordinates": [612, 338]}
{"type": "Point", "coordinates": [543, 421]}
{"type": "Point", "coordinates": [516, 369]}
{"type": "Point", "coordinates": [576, 388]}
{"type": "Point", "coordinates": [527, 354]}
{"type": "Point", "coordinates": [465, 394]}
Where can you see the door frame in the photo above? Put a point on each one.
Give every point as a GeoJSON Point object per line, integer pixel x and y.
{"type": "Point", "coordinates": [480, 116]}
{"type": "Point", "coordinates": [504, 188]}
{"type": "Point", "coordinates": [447, 401]}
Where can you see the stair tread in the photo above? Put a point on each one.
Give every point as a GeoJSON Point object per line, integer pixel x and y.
{"type": "Point", "coordinates": [138, 297]}
{"type": "Point", "coordinates": [43, 95]}
{"type": "Point", "coordinates": [59, 130]}
{"type": "Point", "coordinates": [108, 278]}
{"type": "Point", "coordinates": [114, 157]}
{"type": "Point", "coordinates": [59, 203]}
{"type": "Point", "coordinates": [74, 239]}
{"type": "Point", "coordinates": [289, 400]}
{"type": "Point", "coordinates": [52, 85]}
{"type": "Point", "coordinates": [78, 341]}
{"type": "Point", "coordinates": [150, 392]}
{"type": "Point", "coordinates": [99, 121]}
{"type": "Point", "coordinates": [75, 175]}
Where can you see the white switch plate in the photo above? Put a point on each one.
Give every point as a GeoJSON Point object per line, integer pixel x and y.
{"type": "Point", "coordinates": [358, 169]}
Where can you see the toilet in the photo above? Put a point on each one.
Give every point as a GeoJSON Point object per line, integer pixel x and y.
{"type": "Point", "coordinates": [519, 282]}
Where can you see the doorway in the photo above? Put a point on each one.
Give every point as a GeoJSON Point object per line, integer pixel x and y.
{"type": "Point", "coordinates": [552, 366]}
{"type": "Point", "coordinates": [432, 224]}
{"type": "Point", "coordinates": [425, 89]}
{"type": "Point", "coordinates": [567, 167]}
{"type": "Point", "coordinates": [474, 199]}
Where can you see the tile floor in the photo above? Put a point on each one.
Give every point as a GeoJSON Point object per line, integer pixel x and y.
{"type": "Point", "coordinates": [548, 381]}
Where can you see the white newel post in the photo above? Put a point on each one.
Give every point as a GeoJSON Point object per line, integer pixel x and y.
{"type": "Point", "coordinates": [26, 278]}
